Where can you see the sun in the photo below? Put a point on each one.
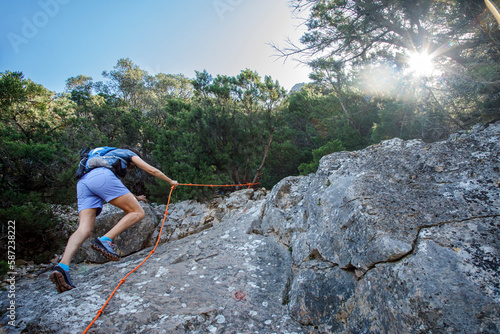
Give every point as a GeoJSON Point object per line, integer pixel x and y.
{"type": "Point", "coordinates": [420, 64]}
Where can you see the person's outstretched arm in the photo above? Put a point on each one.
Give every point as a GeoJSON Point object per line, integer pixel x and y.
{"type": "Point", "coordinates": [153, 171]}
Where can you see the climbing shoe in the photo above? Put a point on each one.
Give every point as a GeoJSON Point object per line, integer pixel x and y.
{"type": "Point", "coordinates": [106, 248]}
{"type": "Point", "coordinates": [61, 279]}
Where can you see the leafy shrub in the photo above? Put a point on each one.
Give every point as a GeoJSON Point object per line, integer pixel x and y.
{"type": "Point", "coordinates": [328, 148]}
{"type": "Point", "coordinates": [34, 226]}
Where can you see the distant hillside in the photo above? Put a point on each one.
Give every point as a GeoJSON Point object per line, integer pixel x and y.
{"type": "Point", "coordinates": [297, 87]}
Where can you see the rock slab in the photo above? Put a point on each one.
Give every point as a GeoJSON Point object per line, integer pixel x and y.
{"type": "Point", "coordinates": [401, 237]}
{"type": "Point", "coordinates": [219, 280]}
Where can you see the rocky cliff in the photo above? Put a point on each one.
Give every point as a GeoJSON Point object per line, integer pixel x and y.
{"type": "Point", "coordinates": [401, 237]}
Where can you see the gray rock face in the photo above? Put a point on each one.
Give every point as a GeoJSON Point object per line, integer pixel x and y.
{"type": "Point", "coordinates": [401, 237]}
{"type": "Point", "coordinates": [219, 280]}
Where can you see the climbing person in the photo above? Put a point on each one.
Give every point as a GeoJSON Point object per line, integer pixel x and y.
{"type": "Point", "coordinates": [98, 182]}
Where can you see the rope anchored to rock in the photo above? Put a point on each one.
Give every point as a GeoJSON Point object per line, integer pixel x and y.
{"type": "Point", "coordinates": [158, 241]}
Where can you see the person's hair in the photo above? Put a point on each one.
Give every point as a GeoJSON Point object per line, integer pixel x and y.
{"type": "Point", "coordinates": [133, 149]}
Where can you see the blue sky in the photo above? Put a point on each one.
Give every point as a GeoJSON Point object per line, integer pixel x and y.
{"type": "Point", "coordinates": [53, 40]}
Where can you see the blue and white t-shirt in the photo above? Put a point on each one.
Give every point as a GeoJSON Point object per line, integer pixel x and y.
{"type": "Point", "coordinates": [109, 157]}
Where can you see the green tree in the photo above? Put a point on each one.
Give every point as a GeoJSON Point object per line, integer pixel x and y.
{"type": "Point", "coordinates": [33, 160]}
{"type": "Point", "coordinates": [242, 113]}
{"type": "Point", "coordinates": [460, 37]}
{"type": "Point", "coordinates": [166, 86]}
{"type": "Point", "coordinates": [361, 29]}
{"type": "Point", "coordinates": [271, 96]}
{"type": "Point", "coordinates": [183, 152]}
{"type": "Point", "coordinates": [80, 88]}
{"type": "Point", "coordinates": [127, 81]}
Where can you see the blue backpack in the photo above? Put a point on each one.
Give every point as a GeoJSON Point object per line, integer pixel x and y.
{"type": "Point", "coordinates": [99, 157]}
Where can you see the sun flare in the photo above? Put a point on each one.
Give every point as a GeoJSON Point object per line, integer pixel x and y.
{"type": "Point", "coordinates": [421, 64]}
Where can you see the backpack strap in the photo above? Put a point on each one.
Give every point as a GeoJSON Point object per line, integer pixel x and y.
{"type": "Point", "coordinates": [101, 151]}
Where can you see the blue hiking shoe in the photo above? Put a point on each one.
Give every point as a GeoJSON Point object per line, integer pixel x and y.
{"type": "Point", "coordinates": [61, 279]}
{"type": "Point", "coordinates": [106, 248]}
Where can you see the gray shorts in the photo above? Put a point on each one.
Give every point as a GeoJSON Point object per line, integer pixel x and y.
{"type": "Point", "coordinates": [98, 186]}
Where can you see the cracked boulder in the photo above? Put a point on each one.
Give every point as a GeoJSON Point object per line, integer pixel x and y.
{"type": "Point", "coordinates": [401, 237]}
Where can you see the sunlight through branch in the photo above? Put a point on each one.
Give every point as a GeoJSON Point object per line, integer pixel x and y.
{"type": "Point", "coordinates": [421, 64]}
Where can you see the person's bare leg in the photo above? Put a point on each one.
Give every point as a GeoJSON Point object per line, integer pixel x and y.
{"type": "Point", "coordinates": [133, 210]}
{"type": "Point", "coordinates": [84, 231]}
{"type": "Point", "coordinates": [60, 276]}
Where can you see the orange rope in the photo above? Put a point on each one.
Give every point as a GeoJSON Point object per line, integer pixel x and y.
{"type": "Point", "coordinates": [157, 241]}
{"type": "Point", "coordinates": [218, 185]}
{"type": "Point", "coordinates": [140, 264]}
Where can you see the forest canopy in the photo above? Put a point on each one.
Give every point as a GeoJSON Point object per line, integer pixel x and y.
{"type": "Point", "coordinates": [380, 69]}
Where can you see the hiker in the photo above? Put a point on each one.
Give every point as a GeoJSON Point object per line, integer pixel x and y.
{"type": "Point", "coordinates": [100, 183]}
